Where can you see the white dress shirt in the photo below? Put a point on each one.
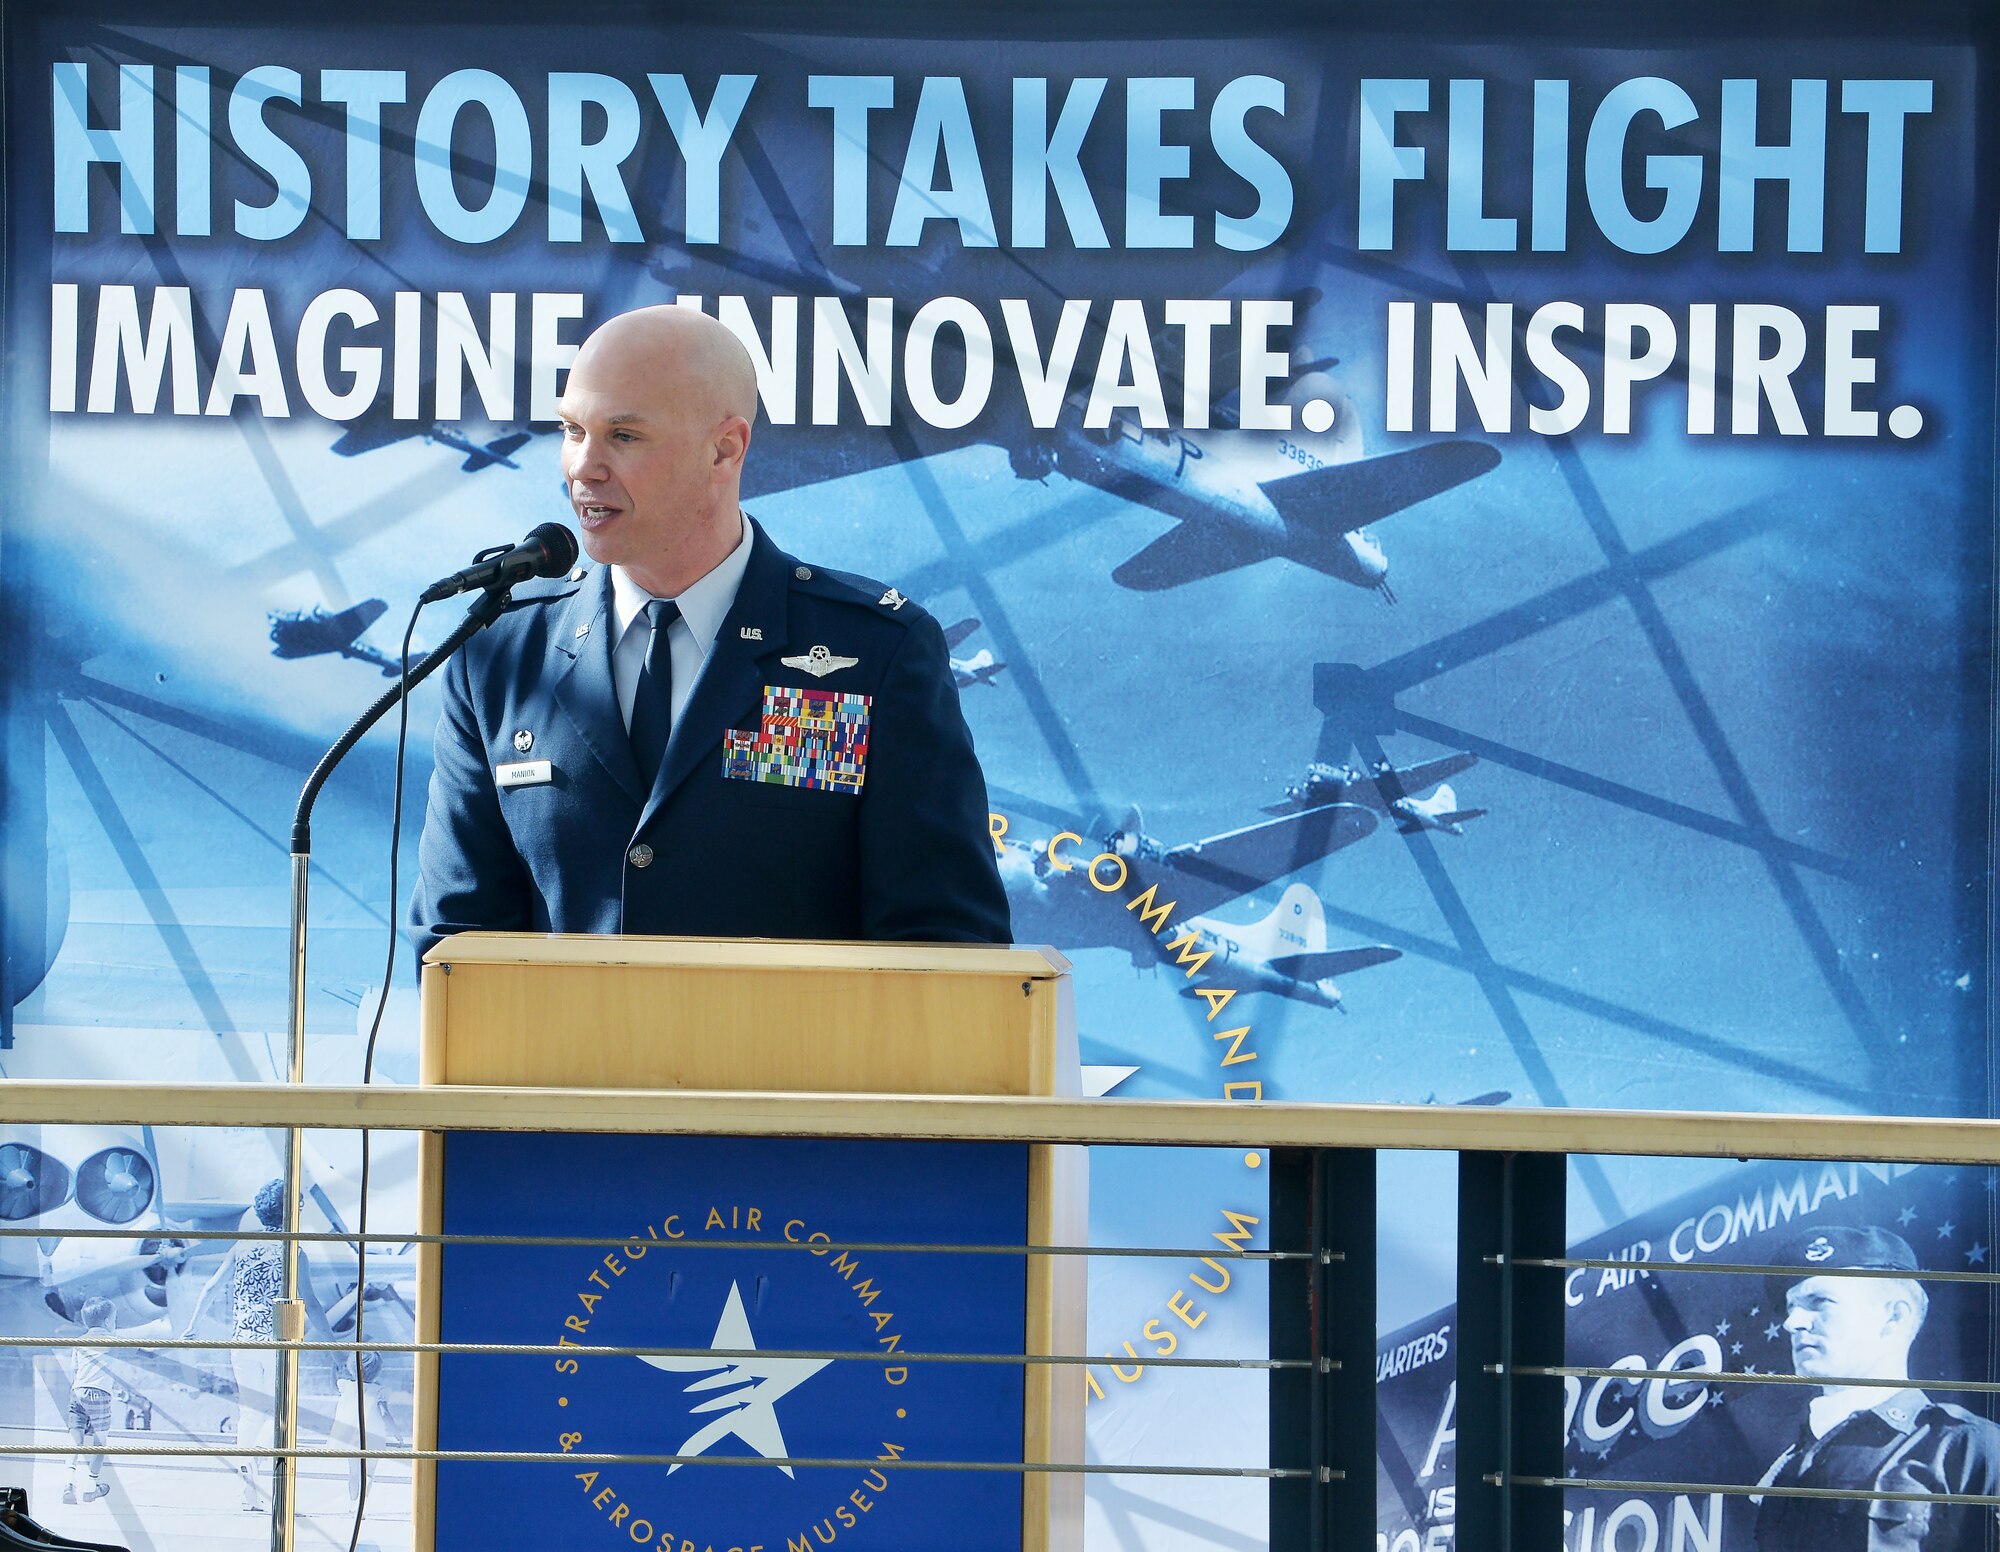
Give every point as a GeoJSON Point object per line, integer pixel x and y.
{"type": "Point", "coordinates": [703, 607]}
{"type": "Point", "coordinates": [1829, 1410]}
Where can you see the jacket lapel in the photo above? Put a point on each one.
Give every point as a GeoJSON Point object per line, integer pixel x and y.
{"type": "Point", "coordinates": [727, 693]}
{"type": "Point", "coordinates": [583, 684]}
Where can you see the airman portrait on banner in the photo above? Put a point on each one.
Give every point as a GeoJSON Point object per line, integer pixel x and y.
{"type": "Point", "coordinates": [1865, 1438]}
{"type": "Point", "coordinates": [726, 741]}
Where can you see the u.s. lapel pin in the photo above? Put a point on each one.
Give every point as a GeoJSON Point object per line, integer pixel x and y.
{"type": "Point", "coordinates": [819, 662]}
{"type": "Point", "coordinates": [751, 632]}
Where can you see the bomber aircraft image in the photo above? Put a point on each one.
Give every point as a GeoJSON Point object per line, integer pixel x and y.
{"type": "Point", "coordinates": [378, 427]}
{"type": "Point", "coordinates": [314, 632]}
{"type": "Point", "coordinates": [1239, 497]}
{"type": "Point", "coordinates": [1147, 898]}
{"type": "Point", "coordinates": [1284, 953]}
{"type": "Point", "coordinates": [976, 669]}
{"type": "Point", "coordinates": [1388, 789]}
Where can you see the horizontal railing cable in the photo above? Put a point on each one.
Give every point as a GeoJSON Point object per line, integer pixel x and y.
{"type": "Point", "coordinates": [585, 1241]}
{"type": "Point", "coordinates": [1723, 1377]}
{"type": "Point", "coordinates": [609, 1458]}
{"type": "Point", "coordinates": [1757, 1269]}
{"type": "Point", "coordinates": [1742, 1490]}
{"type": "Point", "coordinates": [592, 1349]}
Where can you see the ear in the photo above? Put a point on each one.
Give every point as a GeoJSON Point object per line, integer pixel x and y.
{"type": "Point", "coordinates": [731, 442]}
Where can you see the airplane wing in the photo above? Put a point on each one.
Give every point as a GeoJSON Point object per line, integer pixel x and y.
{"type": "Point", "coordinates": [1457, 816]}
{"type": "Point", "coordinates": [1426, 774]}
{"type": "Point", "coordinates": [1344, 961]}
{"type": "Point", "coordinates": [1187, 553]}
{"type": "Point", "coordinates": [1346, 496]}
{"type": "Point", "coordinates": [350, 623]}
{"type": "Point", "coordinates": [954, 635]}
{"type": "Point", "coordinates": [365, 436]}
{"type": "Point", "coordinates": [1204, 874]}
{"type": "Point", "coordinates": [495, 451]}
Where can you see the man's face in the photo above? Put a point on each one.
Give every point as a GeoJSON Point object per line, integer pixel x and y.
{"type": "Point", "coordinates": [1854, 1326]}
{"type": "Point", "coordinates": [639, 466]}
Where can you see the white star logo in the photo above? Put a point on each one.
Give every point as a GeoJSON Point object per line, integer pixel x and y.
{"type": "Point", "coordinates": [747, 1409]}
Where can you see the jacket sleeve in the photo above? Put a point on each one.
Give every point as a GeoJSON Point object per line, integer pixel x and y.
{"type": "Point", "coordinates": [469, 876]}
{"type": "Point", "coordinates": [928, 873]}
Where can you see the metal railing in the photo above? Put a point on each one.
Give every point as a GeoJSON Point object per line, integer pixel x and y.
{"type": "Point", "coordinates": [1321, 1266]}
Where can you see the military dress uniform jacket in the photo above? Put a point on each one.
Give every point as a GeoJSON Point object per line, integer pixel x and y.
{"type": "Point", "coordinates": [1906, 1443]}
{"type": "Point", "coordinates": [877, 833]}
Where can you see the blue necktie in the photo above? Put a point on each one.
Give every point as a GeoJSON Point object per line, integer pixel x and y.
{"type": "Point", "coordinates": [653, 704]}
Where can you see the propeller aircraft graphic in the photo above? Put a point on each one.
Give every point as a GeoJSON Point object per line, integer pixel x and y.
{"type": "Point", "coordinates": [315, 632]}
{"type": "Point", "coordinates": [1284, 953]}
{"type": "Point", "coordinates": [378, 427]}
{"type": "Point", "coordinates": [1239, 497]}
{"type": "Point", "coordinates": [977, 669]}
{"type": "Point", "coordinates": [1389, 790]}
{"type": "Point", "coordinates": [1156, 906]}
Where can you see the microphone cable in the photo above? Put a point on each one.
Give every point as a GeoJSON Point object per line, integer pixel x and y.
{"type": "Point", "coordinates": [368, 1077]}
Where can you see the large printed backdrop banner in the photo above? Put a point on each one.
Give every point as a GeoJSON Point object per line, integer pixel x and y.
{"type": "Point", "coordinates": [1522, 508]}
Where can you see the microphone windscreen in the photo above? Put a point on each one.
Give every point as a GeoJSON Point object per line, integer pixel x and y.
{"type": "Point", "coordinates": [558, 546]}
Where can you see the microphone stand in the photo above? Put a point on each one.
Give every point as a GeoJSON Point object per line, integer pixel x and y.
{"type": "Point", "coordinates": [291, 1309]}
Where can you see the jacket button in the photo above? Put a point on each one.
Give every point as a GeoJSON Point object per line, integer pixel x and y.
{"type": "Point", "coordinates": [640, 856]}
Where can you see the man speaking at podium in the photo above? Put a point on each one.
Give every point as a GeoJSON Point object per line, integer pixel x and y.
{"type": "Point", "coordinates": [700, 734]}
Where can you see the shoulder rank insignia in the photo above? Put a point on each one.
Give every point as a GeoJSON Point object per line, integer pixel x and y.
{"type": "Point", "coordinates": [819, 662]}
{"type": "Point", "coordinates": [892, 599]}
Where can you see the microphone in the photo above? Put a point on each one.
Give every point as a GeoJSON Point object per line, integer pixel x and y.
{"type": "Point", "coordinates": [548, 551]}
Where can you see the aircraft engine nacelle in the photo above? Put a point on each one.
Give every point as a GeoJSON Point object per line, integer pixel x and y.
{"type": "Point", "coordinates": [54, 1178]}
{"type": "Point", "coordinates": [1035, 459]}
{"type": "Point", "coordinates": [34, 881]}
{"type": "Point", "coordinates": [1371, 566]}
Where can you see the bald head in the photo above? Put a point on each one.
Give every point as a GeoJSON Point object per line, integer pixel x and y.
{"type": "Point", "coordinates": [673, 350]}
{"type": "Point", "coordinates": [656, 417]}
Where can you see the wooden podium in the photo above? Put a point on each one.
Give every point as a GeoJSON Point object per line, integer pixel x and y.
{"type": "Point", "coordinates": [549, 1011]}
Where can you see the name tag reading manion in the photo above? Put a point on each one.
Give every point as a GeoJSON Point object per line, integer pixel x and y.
{"type": "Point", "coordinates": [524, 773]}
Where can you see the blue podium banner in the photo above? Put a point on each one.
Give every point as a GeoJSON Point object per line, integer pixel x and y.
{"type": "Point", "coordinates": [737, 1251]}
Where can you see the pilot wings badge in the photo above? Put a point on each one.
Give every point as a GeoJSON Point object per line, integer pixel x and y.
{"type": "Point", "coordinates": [755, 1385]}
{"type": "Point", "coordinates": [819, 662]}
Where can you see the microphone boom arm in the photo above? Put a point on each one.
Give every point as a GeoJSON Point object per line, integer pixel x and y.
{"type": "Point", "coordinates": [290, 1308]}
{"type": "Point", "coordinates": [477, 618]}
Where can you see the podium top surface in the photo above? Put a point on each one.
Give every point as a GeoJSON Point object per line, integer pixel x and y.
{"type": "Point", "coordinates": [773, 954]}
